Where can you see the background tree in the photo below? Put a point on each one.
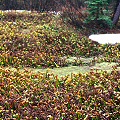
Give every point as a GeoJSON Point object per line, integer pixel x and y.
{"type": "Point", "coordinates": [99, 12]}
{"type": "Point", "coordinates": [116, 12]}
{"type": "Point", "coordinates": [39, 5]}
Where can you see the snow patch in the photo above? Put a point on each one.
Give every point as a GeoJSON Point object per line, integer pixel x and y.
{"type": "Point", "coordinates": [19, 11]}
{"type": "Point", "coordinates": [105, 38]}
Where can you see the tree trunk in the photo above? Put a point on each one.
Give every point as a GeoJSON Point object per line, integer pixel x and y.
{"type": "Point", "coordinates": [117, 14]}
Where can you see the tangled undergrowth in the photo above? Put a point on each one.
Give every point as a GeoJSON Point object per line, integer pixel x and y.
{"type": "Point", "coordinates": [29, 95]}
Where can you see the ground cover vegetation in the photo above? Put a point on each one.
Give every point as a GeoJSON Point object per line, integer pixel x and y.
{"type": "Point", "coordinates": [41, 96]}
{"type": "Point", "coordinates": [42, 40]}
{"type": "Point", "coordinates": [37, 40]}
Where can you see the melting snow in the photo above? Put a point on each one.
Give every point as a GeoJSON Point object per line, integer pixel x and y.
{"type": "Point", "coordinates": [105, 38]}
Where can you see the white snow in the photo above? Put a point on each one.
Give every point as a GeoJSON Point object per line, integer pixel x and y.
{"type": "Point", "coordinates": [105, 38]}
{"type": "Point", "coordinates": [20, 11]}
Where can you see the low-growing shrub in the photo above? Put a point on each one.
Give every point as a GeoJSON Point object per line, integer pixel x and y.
{"type": "Point", "coordinates": [29, 95]}
{"type": "Point", "coordinates": [34, 40]}
{"type": "Point", "coordinates": [43, 39]}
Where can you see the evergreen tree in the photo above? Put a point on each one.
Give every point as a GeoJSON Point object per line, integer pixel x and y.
{"type": "Point", "coordinates": [99, 12]}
